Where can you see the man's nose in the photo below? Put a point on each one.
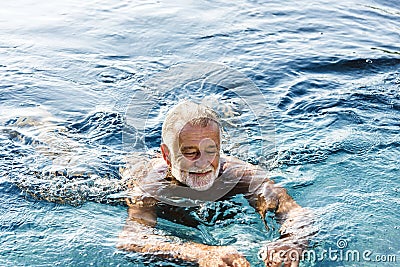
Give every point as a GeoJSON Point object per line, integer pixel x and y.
{"type": "Point", "coordinates": [203, 161]}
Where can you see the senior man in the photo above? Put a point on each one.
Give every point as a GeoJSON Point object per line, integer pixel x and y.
{"type": "Point", "coordinates": [192, 169]}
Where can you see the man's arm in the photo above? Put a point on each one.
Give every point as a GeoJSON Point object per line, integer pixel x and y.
{"type": "Point", "coordinates": [265, 196]}
{"type": "Point", "coordinates": [296, 223]}
{"type": "Point", "coordinates": [139, 235]}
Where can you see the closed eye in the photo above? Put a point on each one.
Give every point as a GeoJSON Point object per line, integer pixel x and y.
{"type": "Point", "coordinates": [190, 154]}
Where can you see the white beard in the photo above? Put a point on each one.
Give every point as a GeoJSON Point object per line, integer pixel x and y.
{"type": "Point", "coordinates": [194, 181]}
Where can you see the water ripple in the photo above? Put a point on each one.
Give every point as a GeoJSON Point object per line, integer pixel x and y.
{"type": "Point", "coordinates": [348, 66]}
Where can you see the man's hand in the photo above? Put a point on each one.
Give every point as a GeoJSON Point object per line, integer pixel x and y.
{"type": "Point", "coordinates": [222, 257]}
{"type": "Point", "coordinates": [281, 251]}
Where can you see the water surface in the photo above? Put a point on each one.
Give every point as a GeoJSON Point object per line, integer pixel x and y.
{"type": "Point", "coordinates": [329, 71]}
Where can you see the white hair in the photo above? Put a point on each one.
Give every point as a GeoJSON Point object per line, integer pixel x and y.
{"type": "Point", "coordinates": [183, 113]}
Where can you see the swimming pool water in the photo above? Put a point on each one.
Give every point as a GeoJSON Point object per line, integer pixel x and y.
{"type": "Point", "coordinates": [328, 70]}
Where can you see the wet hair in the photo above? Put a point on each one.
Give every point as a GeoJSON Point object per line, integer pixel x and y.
{"type": "Point", "coordinates": [186, 112]}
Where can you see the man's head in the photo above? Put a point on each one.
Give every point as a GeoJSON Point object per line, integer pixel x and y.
{"type": "Point", "coordinates": [191, 144]}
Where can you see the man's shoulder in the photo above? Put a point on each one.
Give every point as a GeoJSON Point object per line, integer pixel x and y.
{"type": "Point", "coordinates": [139, 167]}
{"type": "Point", "coordinates": [235, 167]}
{"type": "Point", "coordinates": [231, 162]}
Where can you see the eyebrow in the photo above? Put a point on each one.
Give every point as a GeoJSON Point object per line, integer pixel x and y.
{"type": "Point", "coordinates": [195, 147]}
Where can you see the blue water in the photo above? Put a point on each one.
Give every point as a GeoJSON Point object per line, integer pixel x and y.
{"type": "Point", "coordinates": [329, 73]}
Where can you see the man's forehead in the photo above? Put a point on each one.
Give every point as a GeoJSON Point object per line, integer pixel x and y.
{"type": "Point", "coordinates": [212, 128]}
{"type": "Point", "coordinates": [193, 135]}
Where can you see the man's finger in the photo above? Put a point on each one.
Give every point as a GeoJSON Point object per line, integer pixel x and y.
{"type": "Point", "coordinates": [276, 263]}
{"type": "Point", "coordinates": [294, 264]}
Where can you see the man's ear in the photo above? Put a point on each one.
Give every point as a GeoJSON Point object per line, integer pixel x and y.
{"type": "Point", "coordinates": [165, 153]}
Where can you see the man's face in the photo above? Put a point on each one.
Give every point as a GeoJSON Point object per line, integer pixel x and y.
{"type": "Point", "coordinates": [195, 159]}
